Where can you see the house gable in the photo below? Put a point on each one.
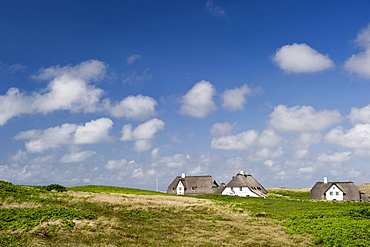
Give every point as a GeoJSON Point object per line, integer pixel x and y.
{"type": "Point", "coordinates": [180, 188]}
{"type": "Point", "coordinates": [334, 193]}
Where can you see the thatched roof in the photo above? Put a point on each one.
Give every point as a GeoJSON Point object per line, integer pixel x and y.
{"type": "Point", "coordinates": [350, 190]}
{"type": "Point", "coordinates": [194, 185]}
{"type": "Point", "coordinates": [242, 180]}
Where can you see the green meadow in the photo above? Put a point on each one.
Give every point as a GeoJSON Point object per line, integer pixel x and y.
{"type": "Point", "coordinates": [114, 216]}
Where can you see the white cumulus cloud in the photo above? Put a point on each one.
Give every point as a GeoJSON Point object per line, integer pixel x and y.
{"type": "Point", "coordinates": [241, 141]}
{"type": "Point", "coordinates": [360, 115]}
{"type": "Point", "coordinates": [358, 137]}
{"type": "Point", "coordinates": [234, 99]}
{"type": "Point", "coordinates": [116, 164]}
{"type": "Point", "coordinates": [37, 141]}
{"type": "Point", "coordinates": [93, 132]}
{"type": "Point", "coordinates": [77, 157]}
{"type": "Point", "coordinates": [335, 157]}
{"type": "Point", "coordinates": [142, 134]}
{"type": "Point", "coordinates": [40, 140]}
{"type": "Point", "coordinates": [135, 107]}
{"type": "Point", "coordinates": [301, 58]}
{"type": "Point", "coordinates": [198, 102]}
{"type": "Point", "coordinates": [69, 89]}
{"type": "Point", "coordinates": [360, 63]}
{"type": "Point", "coordinates": [302, 118]}
{"type": "Point", "coordinates": [220, 129]}
{"type": "Point", "coordinates": [269, 138]}
{"type": "Point", "coordinates": [14, 103]}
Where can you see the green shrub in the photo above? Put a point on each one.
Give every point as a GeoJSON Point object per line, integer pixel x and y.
{"type": "Point", "coordinates": [55, 187]}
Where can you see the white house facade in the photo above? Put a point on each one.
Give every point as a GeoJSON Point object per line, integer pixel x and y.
{"type": "Point", "coordinates": [238, 191]}
{"type": "Point", "coordinates": [334, 193]}
{"type": "Point", "coordinates": [180, 188]}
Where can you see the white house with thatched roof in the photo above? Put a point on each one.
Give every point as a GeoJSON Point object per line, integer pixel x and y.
{"type": "Point", "coordinates": [244, 185]}
{"type": "Point", "coordinates": [194, 185]}
{"type": "Point", "coordinates": [337, 191]}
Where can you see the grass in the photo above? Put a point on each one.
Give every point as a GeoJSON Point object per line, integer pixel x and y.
{"type": "Point", "coordinates": [112, 189]}
{"type": "Point", "coordinates": [115, 216]}
{"type": "Point", "coordinates": [330, 223]}
{"type": "Point", "coordinates": [111, 216]}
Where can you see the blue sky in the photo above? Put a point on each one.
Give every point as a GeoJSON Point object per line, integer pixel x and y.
{"type": "Point", "coordinates": [128, 93]}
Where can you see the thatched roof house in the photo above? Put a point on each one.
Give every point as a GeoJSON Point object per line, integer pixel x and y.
{"type": "Point", "coordinates": [244, 185]}
{"type": "Point", "coordinates": [194, 185]}
{"type": "Point", "coordinates": [340, 191]}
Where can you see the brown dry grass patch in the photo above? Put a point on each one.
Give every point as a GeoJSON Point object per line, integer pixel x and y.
{"type": "Point", "coordinates": [238, 228]}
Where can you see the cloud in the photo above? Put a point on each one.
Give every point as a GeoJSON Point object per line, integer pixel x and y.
{"type": "Point", "coordinates": [220, 129]}
{"type": "Point", "coordinates": [335, 157]}
{"type": "Point", "coordinates": [69, 89]}
{"type": "Point", "coordinates": [14, 68]}
{"type": "Point", "coordinates": [269, 138]}
{"type": "Point", "coordinates": [247, 140]}
{"type": "Point", "coordinates": [138, 77]}
{"type": "Point", "coordinates": [142, 134]}
{"type": "Point", "coordinates": [116, 164]}
{"type": "Point", "coordinates": [301, 58]}
{"type": "Point", "coordinates": [91, 70]}
{"type": "Point", "coordinates": [360, 63]}
{"type": "Point", "coordinates": [214, 9]}
{"type": "Point", "coordinates": [133, 58]}
{"type": "Point", "coordinates": [307, 139]}
{"type": "Point", "coordinates": [266, 153]}
{"type": "Point", "coordinates": [198, 102]}
{"type": "Point", "coordinates": [302, 118]}
{"type": "Point", "coordinates": [93, 132]}
{"type": "Point", "coordinates": [235, 99]}
{"type": "Point", "coordinates": [135, 107]}
{"type": "Point", "coordinates": [360, 115]}
{"type": "Point", "coordinates": [37, 141]}
{"type": "Point", "coordinates": [77, 157]}
{"type": "Point", "coordinates": [14, 103]}
{"type": "Point", "coordinates": [68, 93]}
{"type": "Point", "coordinates": [241, 141]}
{"type": "Point", "coordinates": [358, 137]}
{"type": "Point", "coordinates": [41, 140]}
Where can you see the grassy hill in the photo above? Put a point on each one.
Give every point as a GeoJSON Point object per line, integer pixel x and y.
{"type": "Point", "coordinates": [115, 216]}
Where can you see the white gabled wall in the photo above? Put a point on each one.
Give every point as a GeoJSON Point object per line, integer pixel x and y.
{"type": "Point", "coordinates": [180, 188]}
{"type": "Point", "coordinates": [334, 193]}
{"type": "Point", "coordinates": [238, 191]}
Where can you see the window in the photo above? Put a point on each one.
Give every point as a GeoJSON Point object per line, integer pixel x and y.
{"type": "Point", "coordinates": [240, 188]}
{"type": "Point", "coordinates": [193, 188]}
{"type": "Point", "coordinates": [331, 193]}
{"type": "Point", "coordinates": [180, 188]}
{"type": "Point", "coordinates": [337, 193]}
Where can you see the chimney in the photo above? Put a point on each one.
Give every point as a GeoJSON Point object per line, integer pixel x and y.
{"type": "Point", "coordinates": [325, 180]}
{"type": "Point", "coordinates": [183, 175]}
